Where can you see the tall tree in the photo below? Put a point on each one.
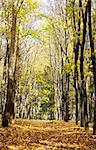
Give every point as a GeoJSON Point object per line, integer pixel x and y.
{"type": "Point", "coordinates": [76, 53]}
{"type": "Point", "coordinates": [93, 59]}
{"type": "Point", "coordinates": [9, 112]}
{"type": "Point", "coordinates": [83, 95]}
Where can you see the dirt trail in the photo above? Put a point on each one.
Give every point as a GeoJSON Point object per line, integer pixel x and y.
{"type": "Point", "coordinates": [45, 135]}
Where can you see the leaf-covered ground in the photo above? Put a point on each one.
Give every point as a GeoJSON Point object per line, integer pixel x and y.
{"type": "Point", "coordinates": [45, 135]}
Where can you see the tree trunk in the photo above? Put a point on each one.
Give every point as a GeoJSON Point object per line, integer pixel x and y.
{"type": "Point", "coordinates": [76, 52]}
{"type": "Point", "coordinates": [90, 102]}
{"type": "Point", "coordinates": [62, 84]}
{"type": "Point", "coordinates": [67, 98]}
{"type": "Point", "coordinates": [5, 78]}
{"type": "Point", "coordinates": [9, 106]}
{"type": "Point", "coordinates": [93, 62]}
{"type": "Point", "coordinates": [83, 95]}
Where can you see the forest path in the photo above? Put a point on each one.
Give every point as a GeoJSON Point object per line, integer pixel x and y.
{"type": "Point", "coordinates": [45, 135]}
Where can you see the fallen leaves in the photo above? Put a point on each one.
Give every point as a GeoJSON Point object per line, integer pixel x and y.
{"type": "Point", "coordinates": [45, 135]}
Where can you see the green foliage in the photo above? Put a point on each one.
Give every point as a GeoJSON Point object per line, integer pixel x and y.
{"type": "Point", "coordinates": [31, 32]}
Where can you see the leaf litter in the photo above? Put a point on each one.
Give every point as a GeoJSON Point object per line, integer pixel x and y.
{"type": "Point", "coordinates": [45, 135]}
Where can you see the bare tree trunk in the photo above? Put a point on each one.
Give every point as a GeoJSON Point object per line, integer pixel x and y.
{"type": "Point", "coordinates": [5, 78]}
{"type": "Point", "coordinates": [90, 102]}
{"type": "Point", "coordinates": [67, 97]}
{"type": "Point", "coordinates": [9, 106]}
{"type": "Point", "coordinates": [62, 84]}
{"type": "Point", "coordinates": [83, 95]}
{"type": "Point", "coordinates": [76, 53]}
{"type": "Point", "coordinates": [93, 61]}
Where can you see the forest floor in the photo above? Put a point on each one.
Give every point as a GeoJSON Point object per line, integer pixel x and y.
{"type": "Point", "coordinates": [46, 135]}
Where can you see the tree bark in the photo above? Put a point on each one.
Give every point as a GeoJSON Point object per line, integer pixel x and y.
{"type": "Point", "coordinates": [83, 95]}
{"type": "Point", "coordinates": [76, 52]}
{"type": "Point", "coordinates": [93, 58]}
{"type": "Point", "coordinates": [9, 113]}
{"type": "Point", "coordinates": [62, 84]}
